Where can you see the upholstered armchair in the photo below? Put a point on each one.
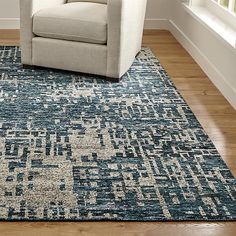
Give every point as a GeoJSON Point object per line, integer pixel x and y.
{"type": "Point", "coordinates": [91, 36]}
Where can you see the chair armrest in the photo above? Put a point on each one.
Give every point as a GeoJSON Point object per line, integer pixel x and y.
{"type": "Point", "coordinates": [27, 9]}
{"type": "Point", "coordinates": [125, 30]}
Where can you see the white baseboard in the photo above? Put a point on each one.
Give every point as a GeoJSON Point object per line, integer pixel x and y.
{"type": "Point", "coordinates": [156, 24]}
{"type": "Point", "coordinates": [9, 23]}
{"type": "Point", "coordinates": [212, 72]}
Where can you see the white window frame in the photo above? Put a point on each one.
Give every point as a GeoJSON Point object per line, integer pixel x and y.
{"type": "Point", "coordinates": [231, 6]}
{"type": "Point", "coordinates": [219, 19]}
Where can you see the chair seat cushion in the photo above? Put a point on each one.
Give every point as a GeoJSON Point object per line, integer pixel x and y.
{"type": "Point", "coordinates": [80, 21]}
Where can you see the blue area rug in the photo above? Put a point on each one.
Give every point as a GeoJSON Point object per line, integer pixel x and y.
{"type": "Point", "coordinates": [75, 147]}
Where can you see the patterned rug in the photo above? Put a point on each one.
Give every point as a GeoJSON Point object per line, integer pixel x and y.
{"type": "Point", "coordinates": [75, 147]}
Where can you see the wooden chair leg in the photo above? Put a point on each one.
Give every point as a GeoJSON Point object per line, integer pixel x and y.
{"type": "Point", "coordinates": [29, 67]}
{"type": "Point", "coordinates": [115, 80]}
{"type": "Point", "coordinates": [138, 54]}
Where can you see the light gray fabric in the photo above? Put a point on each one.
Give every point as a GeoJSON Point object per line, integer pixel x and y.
{"type": "Point", "coordinates": [125, 19]}
{"type": "Point", "coordinates": [70, 55]}
{"type": "Point", "coordinates": [81, 21]}
{"type": "Point", "coordinates": [125, 29]}
{"type": "Point", "coordinates": [27, 10]}
{"type": "Point", "coordinates": [98, 1]}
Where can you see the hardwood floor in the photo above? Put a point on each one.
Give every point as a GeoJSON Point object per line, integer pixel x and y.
{"type": "Point", "coordinates": [212, 110]}
{"type": "Point", "coordinates": [9, 37]}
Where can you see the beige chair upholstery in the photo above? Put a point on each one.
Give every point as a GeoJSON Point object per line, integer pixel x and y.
{"type": "Point", "coordinates": [94, 36]}
{"type": "Point", "coordinates": [83, 22]}
{"type": "Point", "coordinates": [97, 1]}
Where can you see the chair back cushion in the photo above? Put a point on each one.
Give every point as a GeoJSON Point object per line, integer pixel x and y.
{"type": "Point", "coordinates": [96, 1]}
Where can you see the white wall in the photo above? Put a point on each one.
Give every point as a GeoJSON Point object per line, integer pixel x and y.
{"type": "Point", "coordinates": [9, 9]}
{"type": "Point", "coordinates": [157, 9]}
{"type": "Point", "coordinates": [157, 14]}
{"type": "Point", "coordinates": [9, 13]}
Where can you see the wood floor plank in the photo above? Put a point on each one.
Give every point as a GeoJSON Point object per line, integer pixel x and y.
{"type": "Point", "coordinates": [9, 37]}
{"type": "Point", "coordinates": [217, 122]}
{"type": "Point", "coordinates": [213, 112]}
{"type": "Point", "coordinates": [117, 229]}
